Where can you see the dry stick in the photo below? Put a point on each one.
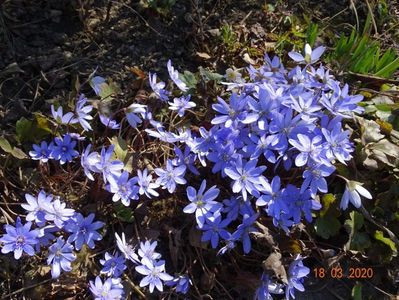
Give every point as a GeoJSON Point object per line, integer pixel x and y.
{"type": "Point", "coordinates": [24, 289]}
{"type": "Point", "coordinates": [134, 287]}
{"type": "Point", "coordinates": [372, 17]}
{"type": "Point", "coordinates": [356, 15]}
{"type": "Point", "coordinates": [140, 16]}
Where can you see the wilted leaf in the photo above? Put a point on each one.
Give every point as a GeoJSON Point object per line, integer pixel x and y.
{"type": "Point", "coordinates": [370, 131]}
{"type": "Point", "coordinates": [5, 145]}
{"type": "Point", "coordinates": [18, 153]}
{"type": "Point", "coordinates": [273, 263]}
{"type": "Point", "coordinates": [14, 151]}
{"type": "Point", "coordinates": [327, 226]}
{"type": "Point", "coordinates": [203, 55]}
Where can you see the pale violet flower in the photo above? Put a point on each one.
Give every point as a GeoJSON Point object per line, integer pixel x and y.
{"type": "Point", "coordinates": [351, 194]}
{"type": "Point", "coordinates": [58, 115]}
{"type": "Point", "coordinates": [127, 249]}
{"type": "Point", "coordinates": [132, 111]}
{"type": "Point", "coordinates": [111, 289]}
{"type": "Point", "coordinates": [158, 88]}
{"type": "Point", "coordinates": [154, 274]}
{"type": "Point", "coordinates": [83, 111]}
{"type": "Point", "coordinates": [174, 75]}
{"type": "Point", "coordinates": [181, 104]}
{"type": "Point", "coordinates": [311, 56]}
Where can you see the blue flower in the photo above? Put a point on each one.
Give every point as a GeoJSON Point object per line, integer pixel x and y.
{"type": "Point", "coordinates": [247, 176]}
{"type": "Point", "coordinates": [111, 289]}
{"type": "Point", "coordinates": [351, 194]}
{"type": "Point", "coordinates": [309, 148]}
{"type": "Point", "coordinates": [243, 231]}
{"type": "Point", "coordinates": [271, 192]}
{"type": "Point", "coordinates": [181, 282]}
{"type": "Point", "coordinates": [84, 230]}
{"type": "Point", "coordinates": [215, 227]}
{"type": "Point", "coordinates": [314, 177]}
{"type": "Point", "coordinates": [296, 273]}
{"type": "Point", "coordinates": [109, 122]}
{"type": "Point", "coordinates": [154, 275]}
{"type": "Point", "coordinates": [147, 252]}
{"type": "Point", "coordinates": [45, 236]}
{"type": "Point", "coordinates": [174, 75]}
{"type": "Point", "coordinates": [231, 114]}
{"type": "Point", "coordinates": [113, 265]}
{"type": "Point", "coordinates": [82, 112]}
{"type": "Point", "coordinates": [42, 152]}
{"type": "Point", "coordinates": [181, 104]}
{"type": "Point", "coordinates": [267, 288]}
{"type": "Point", "coordinates": [337, 144]}
{"type": "Point", "coordinates": [123, 188]}
{"type": "Point", "coordinates": [171, 176]}
{"type": "Point", "coordinates": [37, 207]}
{"type": "Point", "coordinates": [108, 166]}
{"type": "Point", "coordinates": [19, 239]}
{"type": "Point", "coordinates": [187, 158]}
{"type": "Point", "coordinates": [146, 186]}
{"type": "Point", "coordinates": [60, 257]}
{"type": "Point", "coordinates": [63, 149]}
{"type": "Point", "coordinates": [202, 204]}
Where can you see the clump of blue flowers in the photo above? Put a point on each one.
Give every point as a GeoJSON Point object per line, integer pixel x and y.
{"type": "Point", "coordinates": [270, 121]}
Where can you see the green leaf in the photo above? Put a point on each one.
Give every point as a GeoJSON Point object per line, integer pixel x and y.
{"type": "Point", "coordinates": [32, 131]}
{"type": "Point", "coordinates": [379, 236]}
{"type": "Point", "coordinates": [389, 69]}
{"type": "Point", "coordinates": [123, 213]}
{"type": "Point", "coordinates": [122, 153]}
{"type": "Point", "coordinates": [327, 200]}
{"type": "Point", "coordinates": [327, 226]}
{"type": "Point", "coordinates": [311, 33]}
{"type": "Point", "coordinates": [208, 75]}
{"type": "Point", "coordinates": [357, 291]}
{"type": "Point", "coordinates": [357, 240]}
{"type": "Point", "coordinates": [42, 123]}
{"type": "Point", "coordinates": [189, 79]}
{"type": "Point", "coordinates": [24, 130]}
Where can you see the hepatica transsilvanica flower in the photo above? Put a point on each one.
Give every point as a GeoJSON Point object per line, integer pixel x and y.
{"type": "Point", "coordinates": [275, 119]}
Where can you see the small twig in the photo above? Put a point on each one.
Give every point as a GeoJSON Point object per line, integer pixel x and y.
{"type": "Point", "coordinates": [356, 15]}
{"type": "Point", "coordinates": [24, 289]}
{"type": "Point", "coordinates": [134, 287]}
